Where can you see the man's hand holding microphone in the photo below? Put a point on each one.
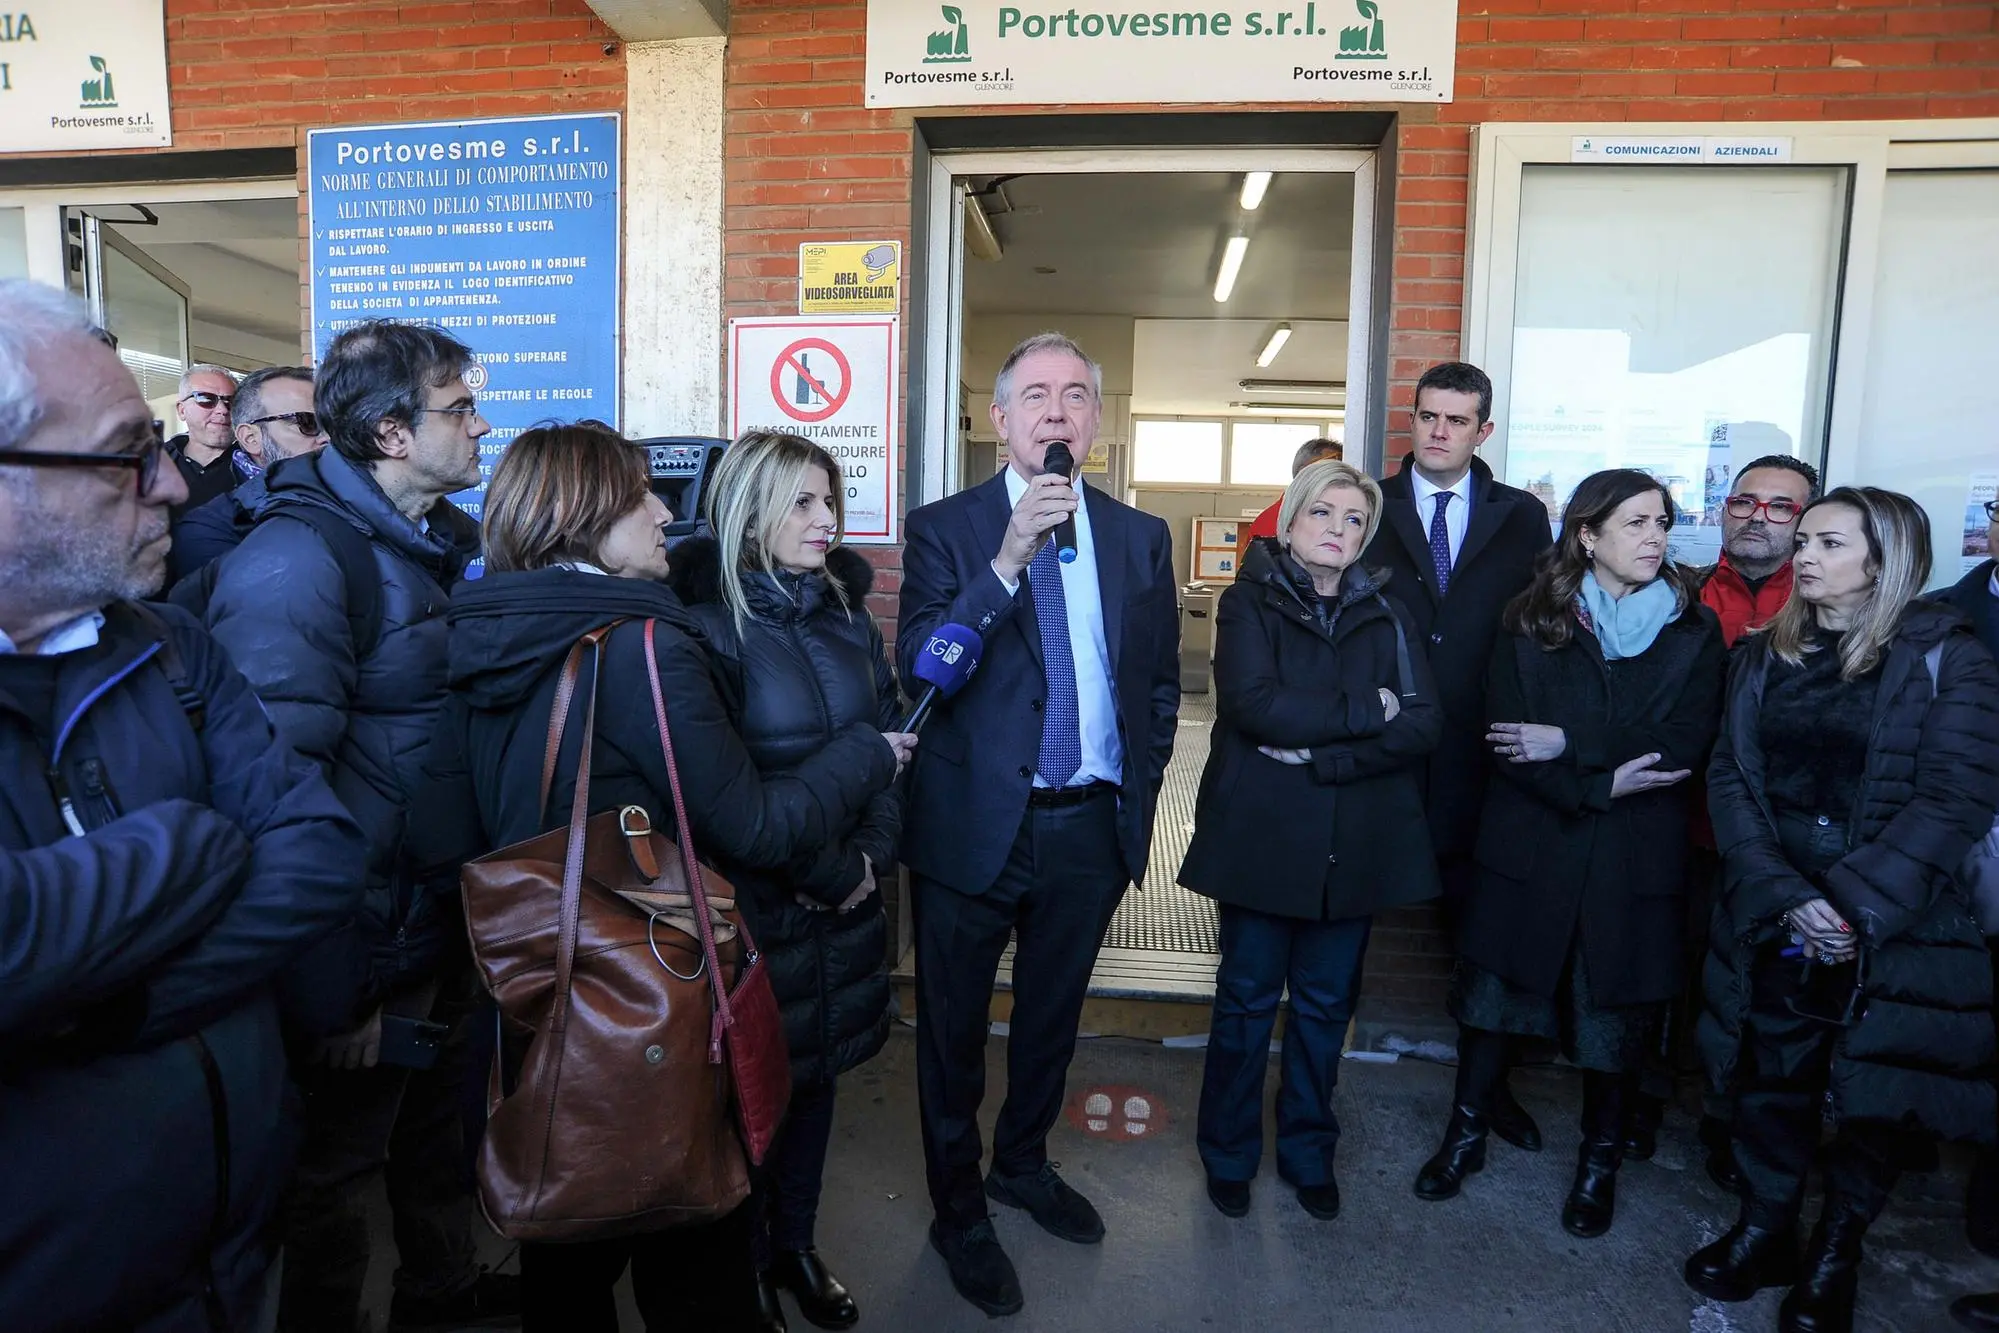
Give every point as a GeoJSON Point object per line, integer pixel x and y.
{"type": "Point", "coordinates": [1050, 501]}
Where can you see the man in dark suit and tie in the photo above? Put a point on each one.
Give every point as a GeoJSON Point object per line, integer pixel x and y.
{"type": "Point", "coordinates": [1461, 545]}
{"type": "Point", "coordinates": [1031, 806]}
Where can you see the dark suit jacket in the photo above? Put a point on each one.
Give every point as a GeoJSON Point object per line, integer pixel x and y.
{"type": "Point", "coordinates": [1504, 535]}
{"type": "Point", "coordinates": [1973, 596]}
{"type": "Point", "coordinates": [975, 765]}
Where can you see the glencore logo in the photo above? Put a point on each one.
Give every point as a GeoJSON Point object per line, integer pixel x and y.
{"type": "Point", "coordinates": [953, 45]}
{"type": "Point", "coordinates": [1366, 40]}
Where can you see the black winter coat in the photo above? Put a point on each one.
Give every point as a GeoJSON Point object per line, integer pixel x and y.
{"type": "Point", "coordinates": [1558, 857]}
{"type": "Point", "coordinates": [214, 530]}
{"type": "Point", "coordinates": [509, 635]}
{"type": "Point", "coordinates": [280, 607]}
{"type": "Point", "coordinates": [1506, 533]}
{"type": "Point", "coordinates": [209, 861]}
{"type": "Point", "coordinates": [802, 667]}
{"type": "Point", "coordinates": [1972, 595]}
{"type": "Point", "coordinates": [1343, 836]}
{"type": "Point", "coordinates": [1923, 1051]}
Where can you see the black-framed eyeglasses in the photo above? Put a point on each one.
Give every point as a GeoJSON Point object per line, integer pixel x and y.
{"type": "Point", "coordinates": [468, 411]}
{"type": "Point", "coordinates": [307, 422]}
{"type": "Point", "coordinates": [203, 398]}
{"type": "Point", "coordinates": [1991, 510]}
{"type": "Point", "coordinates": [146, 462]}
{"type": "Point", "coordinates": [1779, 512]}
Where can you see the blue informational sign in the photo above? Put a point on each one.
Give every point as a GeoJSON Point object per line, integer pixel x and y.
{"type": "Point", "coordinates": [503, 232]}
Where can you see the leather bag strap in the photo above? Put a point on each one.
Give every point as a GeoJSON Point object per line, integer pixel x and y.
{"type": "Point", "coordinates": [724, 1016]}
{"type": "Point", "coordinates": [579, 819]}
{"type": "Point", "coordinates": [558, 718]}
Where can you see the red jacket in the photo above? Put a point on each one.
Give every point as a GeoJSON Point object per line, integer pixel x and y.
{"type": "Point", "coordinates": [1265, 525]}
{"type": "Point", "coordinates": [1728, 596]}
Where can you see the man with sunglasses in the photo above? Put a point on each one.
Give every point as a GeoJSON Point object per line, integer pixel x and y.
{"type": "Point", "coordinates": [164, 860]}
{"type": "Point", "coordinates": [361, 699]}
{"type": "Point", "coordinates": [272, 420]}
{"type": "Point", "coordinates": [202, 452]}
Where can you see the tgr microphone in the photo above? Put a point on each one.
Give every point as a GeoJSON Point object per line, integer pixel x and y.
{"type": "Point", "coordinates": [948, 659]}
{"type": "Point", "coordinates": [1060, 461]}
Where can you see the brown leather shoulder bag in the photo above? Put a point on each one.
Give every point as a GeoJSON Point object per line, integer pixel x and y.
{"type": "Point", "coordinates": [609, 944]}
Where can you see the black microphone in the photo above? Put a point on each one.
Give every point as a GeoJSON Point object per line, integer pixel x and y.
{"type": "Point", "coordinates": [1062, 463]}
{"type": "Point", "coordinates": [948, 659]}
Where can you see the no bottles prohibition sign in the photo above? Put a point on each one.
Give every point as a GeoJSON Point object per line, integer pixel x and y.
{"type": "Point", "coordinates": [811, 384]}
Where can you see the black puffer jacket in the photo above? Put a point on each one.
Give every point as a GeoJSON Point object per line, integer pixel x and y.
{"type": "Point", "coordinates": [802, 667]}
{"type": "Point", "coordinates": [280, 607]}
{"type": "Point", "coordinates": [1345, 835]}
{"type": "Point", "coordinates": [1923, 1052]}
{"type": "Point", "coordinates": [509, 635]}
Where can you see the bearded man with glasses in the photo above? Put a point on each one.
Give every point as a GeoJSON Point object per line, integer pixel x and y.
{"type": "Point", "coordinates": [1759, 525]}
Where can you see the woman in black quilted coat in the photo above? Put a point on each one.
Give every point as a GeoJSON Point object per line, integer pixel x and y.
{"type": "Point", "coordinates": [797, 656]}
{"type": "Point", "coordinates": [1858, 761]}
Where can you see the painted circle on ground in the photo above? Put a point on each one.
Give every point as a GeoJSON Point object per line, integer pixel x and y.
{"type": "Point", "coordinates": [1117, 1112]}
{"type": "Point", "coordinates": [809, 384]}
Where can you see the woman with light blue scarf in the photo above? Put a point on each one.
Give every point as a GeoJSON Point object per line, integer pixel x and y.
{"type": "Point", "coordinates": [1604, 697]}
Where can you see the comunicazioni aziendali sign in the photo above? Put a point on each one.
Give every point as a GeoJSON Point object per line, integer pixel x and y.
{"type": "Point", "coordinates": [977, 53]}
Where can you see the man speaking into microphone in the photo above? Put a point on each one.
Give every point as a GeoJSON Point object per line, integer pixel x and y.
{"type": "Point", "coordinates": [1030, 809]}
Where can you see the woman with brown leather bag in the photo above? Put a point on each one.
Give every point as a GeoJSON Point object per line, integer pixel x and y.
{"type": "Point", "coordinates": [574, 608]}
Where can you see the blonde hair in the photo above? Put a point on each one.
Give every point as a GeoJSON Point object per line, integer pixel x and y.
{"type": "Point", "coordinates": [1898, 553]}
{"type": "Point", "coordinates": [557, 493]}
{"type": "Point", "coordinates": [1311, 483]}
{"type": "Point", "coordinates": [749, 496]}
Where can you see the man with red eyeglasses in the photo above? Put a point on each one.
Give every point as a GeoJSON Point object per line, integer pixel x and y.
{"type": "Point", "coordinates": [202, 453]}
{"type": "Point", "coordinates": [1758, 527]}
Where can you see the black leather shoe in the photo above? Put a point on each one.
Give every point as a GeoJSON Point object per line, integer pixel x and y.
{"type": "Point", "coordinates": [1462, 1154]}
{"type": "Point", "coordinates": [493, 1301]}
{"type": "Point", "coordinates": [1822, 1300]}
{"type": "Point", "coordinates": [1321, 1201]}
{"type": "Point", "coordinates": [770, 1310]}
{"type": "Point", "coordinates": [1060, 1210]}
{"type": "Point", "coordinates": [1641, 1131]}
{"type": "Point", "coordinates": [979, 1268]}
{"type": "Point", "coordinates": [1509, 1120]}
{"type": "Point", "coordinates": [1979, 1312]}
{"type": "Point", "coordinates": [1592, 1202]}
{"type": "Point", "coordinates": [821, 1297]}
{"type": "Point", "coordinates": [1743, 1262]}
{"type": "Point", "coordinates": [1231, 1197]}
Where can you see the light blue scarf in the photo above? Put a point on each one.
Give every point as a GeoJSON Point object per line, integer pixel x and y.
{"type": "Point", "coordinates": [1626, 627]}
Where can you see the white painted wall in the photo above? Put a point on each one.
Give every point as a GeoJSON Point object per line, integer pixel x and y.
{"type": "Point", "coordinates": [673, 237]}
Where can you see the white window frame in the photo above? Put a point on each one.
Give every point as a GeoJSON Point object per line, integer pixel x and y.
{"type": "Point", "coordinates": [1868, 149]}
{"type": "Point", "coordinates": [1228, 421]}
{"type": "Point", "coordinates": [933, 420]}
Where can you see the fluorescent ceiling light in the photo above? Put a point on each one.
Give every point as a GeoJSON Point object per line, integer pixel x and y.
{"type": "Point", "coordinates": [1309, 411]}
{"type": "Point", "coordinates": [1278, 337]}
{"type": "Point", "coordinates": [981, 242]}
{"type": "Point", "coordinates": [1330, 388]}
{"type": "Point", "coordinates": [1253, 187]}
{"type": "Point", "coordinates": [1231, 265]}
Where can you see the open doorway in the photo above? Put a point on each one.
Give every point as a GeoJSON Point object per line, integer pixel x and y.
{"type": "Point", "coordinates": [1226, 297]}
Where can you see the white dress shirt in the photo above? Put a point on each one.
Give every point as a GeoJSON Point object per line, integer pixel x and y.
{"type": "Point", "coordinates": [77, 634]}
{"type": "Point", "coordinates": [1096, 704]}
{"type": "Point", "coordinates": [1456, 519]}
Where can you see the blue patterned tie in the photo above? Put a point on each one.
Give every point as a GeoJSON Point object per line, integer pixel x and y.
{"type": "Point", "coordinates": [1440, 541]}
{"type": "Point", "coordinates": [1061, 722]}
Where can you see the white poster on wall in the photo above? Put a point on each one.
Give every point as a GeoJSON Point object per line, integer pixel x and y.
{"type": "Point", "coordinates": [83, 76]}
{"type": "Point", "coordinates": [1978, 523]}
{"type": "Point", "coordinates": [984, 53]}
{"type": "Point", "coordinates": [832, 381]}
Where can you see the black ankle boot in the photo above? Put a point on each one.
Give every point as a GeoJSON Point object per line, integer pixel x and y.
{"type": "Point", "coordinates": [770, 1310]}
{"type": "Point", "coordinates": [821, 1297]}
{"type": "Point", "coordinates": [1462, 1154]}
{"type": "Point", "coordinates": [1747, 1259]}
{"type": "Point", "coordinates": [1592, 1203]}
{"type": "Point", "coordinates": [1822, 1300]}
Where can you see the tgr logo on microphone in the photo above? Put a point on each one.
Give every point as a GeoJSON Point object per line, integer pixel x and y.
{"type": "Point", "coordinates": [947, 650]}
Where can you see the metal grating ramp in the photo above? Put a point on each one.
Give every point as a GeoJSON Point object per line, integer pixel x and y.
{"type": "Point", "coordinates": [1166, 918]}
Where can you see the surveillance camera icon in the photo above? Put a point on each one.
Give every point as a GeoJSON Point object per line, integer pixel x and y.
{"type": "Point", "coordinates": [878, 261]}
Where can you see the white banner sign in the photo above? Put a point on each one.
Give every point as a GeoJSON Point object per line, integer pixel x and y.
{"type": "Point", "coordinates": [831, 380]}
{"type": "Point", "coordinates": [83, 75]}
{"type": "Point", "coordinates": [982, 53]}
{"type": "Point", "coordinates": [1652, 148]}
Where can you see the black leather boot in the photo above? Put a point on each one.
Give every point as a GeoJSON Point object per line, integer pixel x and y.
{"type": "Point", "coordinates": [1641, 1133]}
{"type": "Point", "coordinates": [1462, 1154]}
{"type": "Point", "coordinates": [821, 1297]}
{"type": "Point", "coordinates": [1592, 1202]}
{"type": "Point", "coordinates": [1747, 1259]}
{"type": "Point", "coordinates": [1822, 1300]}
{"type": "Point", "coordinates": [770, 1310]}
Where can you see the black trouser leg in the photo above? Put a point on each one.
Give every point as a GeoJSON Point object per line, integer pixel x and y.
{"type": "Point", "coordinates": [1785, 1063]}
{"type": "Point", "coordinates": [788, 1191]}
{"type": "Point", "coordinates": [430, 1204]}
{"type": "Point", "coordinates": [1483, 1058]}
